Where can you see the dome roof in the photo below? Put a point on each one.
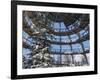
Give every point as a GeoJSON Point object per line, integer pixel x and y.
{"type": "Point", "coordinates": [63, 33]}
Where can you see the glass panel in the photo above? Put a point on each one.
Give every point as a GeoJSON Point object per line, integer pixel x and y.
{"type": "Point", "coordinates": [77, 48]}
{"type": "Point", "coordinates": [73, 37]}
{"type": "Point", "coordinates": [86, 45]}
